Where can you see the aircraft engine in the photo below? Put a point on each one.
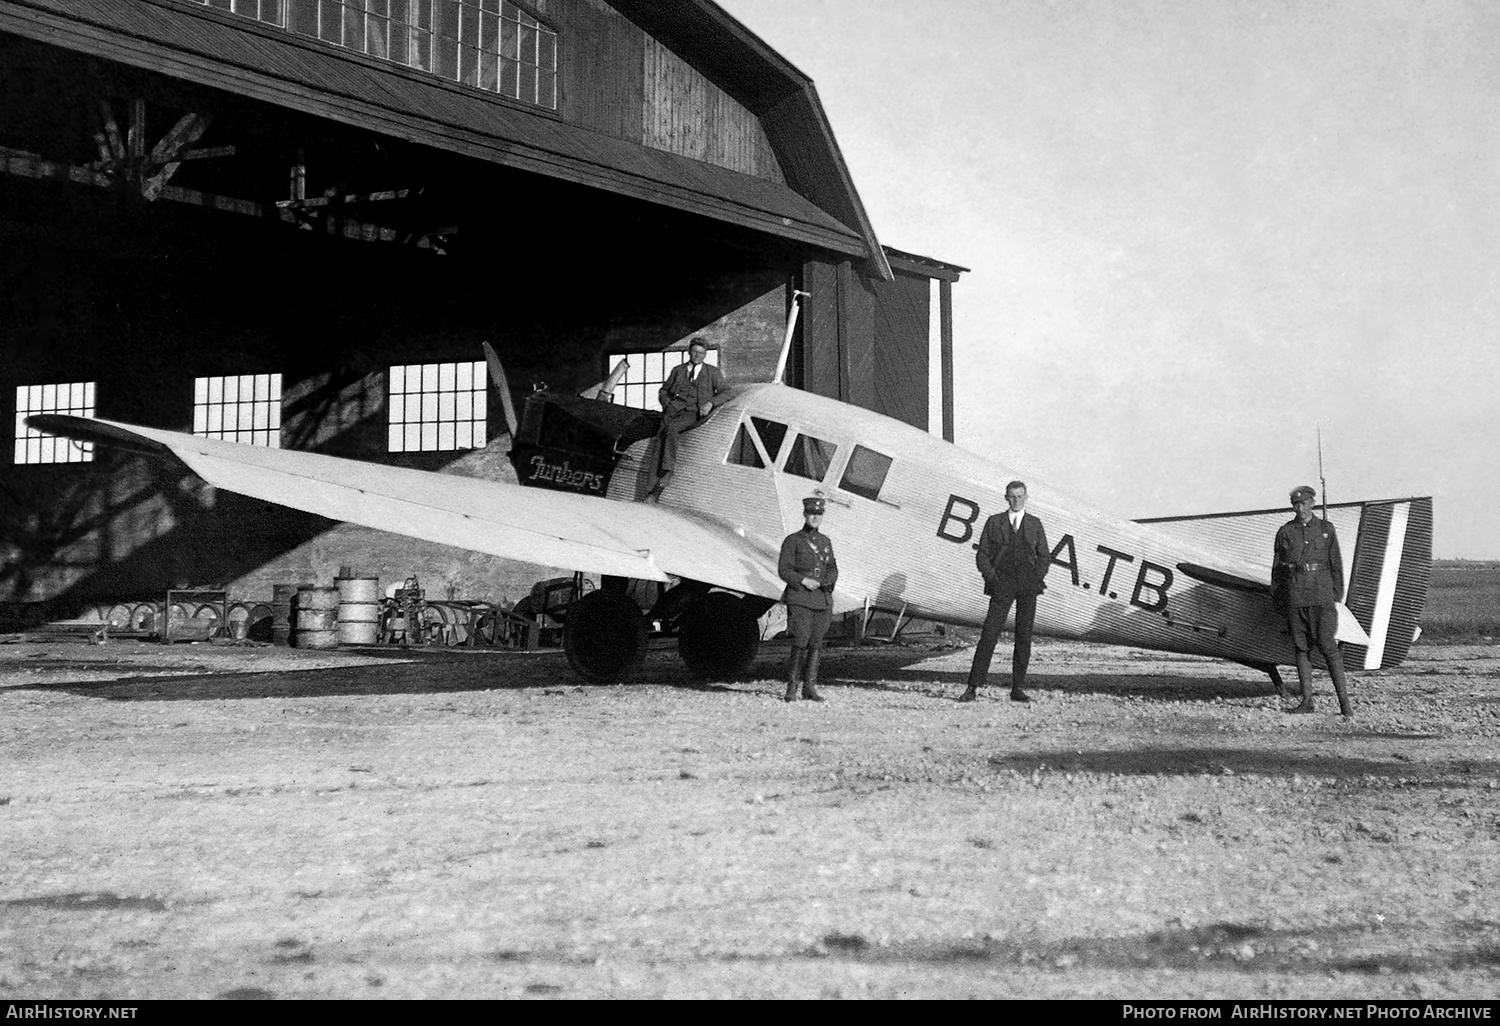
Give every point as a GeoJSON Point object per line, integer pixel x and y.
{"type": "Point", "coordinates": [604, 637]}
{"type": "Point", "coordinates": [718, 636]}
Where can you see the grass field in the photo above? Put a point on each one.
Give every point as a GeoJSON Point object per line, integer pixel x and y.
{"type": "Point", "coordinates": [1463, 603]}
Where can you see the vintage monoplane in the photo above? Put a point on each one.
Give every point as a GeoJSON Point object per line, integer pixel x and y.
{"type": "Point", "coordinates": [904, 509]}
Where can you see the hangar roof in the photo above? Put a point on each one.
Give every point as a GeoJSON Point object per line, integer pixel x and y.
{"type": "Point", "coordinates": [818, 205]}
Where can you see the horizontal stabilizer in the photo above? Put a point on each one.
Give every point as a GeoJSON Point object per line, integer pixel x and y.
{"type": "Point", "coordinates": [1219, 578]}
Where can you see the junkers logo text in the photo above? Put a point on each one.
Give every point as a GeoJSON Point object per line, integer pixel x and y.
{"type": "Point", "coordinates": [563, 476]}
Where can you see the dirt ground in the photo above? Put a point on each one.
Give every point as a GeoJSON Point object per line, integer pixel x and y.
{"type": "Point", "coordinates": [202, 821]}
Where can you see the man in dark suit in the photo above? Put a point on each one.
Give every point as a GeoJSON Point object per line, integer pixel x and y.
{"type": "Point", "coordinates": [1014, 559]}
{"type": "Point", "coordinates": [810, 572]}
{"type": "Point", "coordinates": [687, 396]}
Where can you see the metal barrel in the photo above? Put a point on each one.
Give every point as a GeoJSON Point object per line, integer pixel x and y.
{"type": "Point", "coordinates": [145, 617]}
{"type": "Point", "coordinates": [359, 610]}
{"type": "Point", "coordinates": [282, 596]}
{"type": "Point", "coordinates": [258, 623]}
{"type": "Point", "coordinates": [239, 621]}
{"type": "Point", "coordinates": [317, 617]}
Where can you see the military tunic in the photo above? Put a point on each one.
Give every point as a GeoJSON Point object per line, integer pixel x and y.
{"type": "Point", "coordinates": [1308, 569]}
{"type": "Point", "coordinates": [808, 553]}
{"type": "Point", "coordinates": [1307, 579]}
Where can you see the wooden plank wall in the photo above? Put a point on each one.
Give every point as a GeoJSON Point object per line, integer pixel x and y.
{"type": "Point", "coordinates": [818, 360]}
{"type": "Point", "coordinates": [857, 336]}
{"type": "Point", "coordinates": [838, 333]}
{"type": "Point", "coordinates": [618, 80]}
{"type": "Point", "coordinates": [601, 52]}
{"type": "Point", "coordinates": [901, 349]}
{"type": "Point", "coordinates": [684, 113]}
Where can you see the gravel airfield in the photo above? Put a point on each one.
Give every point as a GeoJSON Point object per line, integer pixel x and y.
{"type": "Point", "coordinates": [202, 821]}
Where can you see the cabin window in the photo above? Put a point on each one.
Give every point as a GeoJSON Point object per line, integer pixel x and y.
{"type": "Point", "coordinates": [772, 435]}
{"type": "Point", "coordinates": [493, 45]}
{"type": "Point", "coordinates": [437, 406]}
{"type": "Point", "coordinates": [646, 373]}
{"type": "Point", "coordinates": [239, 408]}
{"type": "Point", "coordinates": [866, 472]}
{"type": "Point", "coordinates": [743, 451]}
{"type": "Point", "coordinates": [810, 457]}
{"type": "Point", "coordinates": [33, 446]}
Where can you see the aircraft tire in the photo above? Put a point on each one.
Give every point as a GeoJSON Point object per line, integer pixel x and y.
{"type": "Point", "coordinates": [604, 637]}
{"type": "Point", "coordinates": [718, 637]}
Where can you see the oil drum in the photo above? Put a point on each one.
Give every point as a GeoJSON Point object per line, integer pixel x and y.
{"type": "Point", "coordinates": [359, 610]}
{"type": "Point", "coordinates": [282, 597]}
{"type": "Point", "coordinates": [317, 617]}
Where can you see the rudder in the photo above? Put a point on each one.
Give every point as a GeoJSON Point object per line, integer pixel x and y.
{"type": "Point", "coordinates": [1388, 579]}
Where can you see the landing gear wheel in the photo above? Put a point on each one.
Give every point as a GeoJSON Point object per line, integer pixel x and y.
{"type": "Point", "coordinates": [604, 637]}
{"type": "Point", "coordinates": [718, 637]}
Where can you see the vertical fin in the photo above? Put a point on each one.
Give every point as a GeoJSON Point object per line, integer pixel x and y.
{"type": "Point", "coordinates": [1388, 579]}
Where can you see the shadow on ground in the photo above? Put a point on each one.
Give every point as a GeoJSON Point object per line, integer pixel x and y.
{"type": "Point", "coordinates": [423, 671]}
{"type": "Point", "coordinates": [1231, 946]}
{"type": "Point", "coordinates": [1276, 761]}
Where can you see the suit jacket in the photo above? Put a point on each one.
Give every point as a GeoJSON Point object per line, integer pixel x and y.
{"type": "Point", "coordinates": [808, 553]}
{"type": "Point", "coordinates": [679, 394]}
{"type": "Point", "coordinates": [1013, 562]}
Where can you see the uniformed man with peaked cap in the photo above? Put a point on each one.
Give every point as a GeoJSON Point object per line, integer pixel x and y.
{"type": "Point", "coordinates": [1307, 581]}
{"type": "Point", "coordinates": [810, 572]}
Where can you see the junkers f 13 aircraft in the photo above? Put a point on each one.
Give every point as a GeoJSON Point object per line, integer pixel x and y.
{"type": "Point", "coordinates": [904, 510]}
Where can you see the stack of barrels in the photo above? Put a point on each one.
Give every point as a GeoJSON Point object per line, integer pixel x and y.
{"type": "Point", "coordinates": [359, 608]}
{"type": "Point", "coordinates": [317, 617]}
{"type": "Point", "coordinates": [309, 616]}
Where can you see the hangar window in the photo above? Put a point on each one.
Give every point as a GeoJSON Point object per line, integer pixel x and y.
{"type": "Point", "coordinates": [437, 406]}
{"type": "Point", "coordinates": [239, 408]}
{"type": "Point", "coordinates": [865, 473]}
{"type": "Point", "coordinates": [646, 373]}
{"type": "Point", "coordinates": [33, 446]}
{"type": "Point", "coordinates": [811, 457]}
{"type": "Point", "coordinates": [493, 45]}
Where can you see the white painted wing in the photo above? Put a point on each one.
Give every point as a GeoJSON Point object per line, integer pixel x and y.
{"type": "Point", "coordinates": [537, 526]}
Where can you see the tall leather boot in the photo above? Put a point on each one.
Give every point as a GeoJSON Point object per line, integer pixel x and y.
{"type": "Point", "coordinates": [810, 685]}
{"type": "Point", "coordinates": [1304, 676]}
{"type": "Point", "coordinates": [1340, 681]}
{"type": "Point", "coordinates": [793, 671]}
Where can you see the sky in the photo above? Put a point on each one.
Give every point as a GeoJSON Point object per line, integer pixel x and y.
{"type": "Point", "coordinates": [1201, 233]}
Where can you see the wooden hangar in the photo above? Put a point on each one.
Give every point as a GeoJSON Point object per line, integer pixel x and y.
{"type": "Point", "coordinates": [294, 223]}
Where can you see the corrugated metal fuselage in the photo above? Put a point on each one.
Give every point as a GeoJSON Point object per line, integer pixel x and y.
{"type": "Point", "coordinates": [909, 543]}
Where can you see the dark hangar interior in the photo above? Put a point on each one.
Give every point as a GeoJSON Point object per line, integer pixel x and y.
{"type": "Point", "coordinates": [294, 222]}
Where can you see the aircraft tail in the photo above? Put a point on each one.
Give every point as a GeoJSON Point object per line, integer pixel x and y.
{"type": "Point", "coordinates": [1388, 579]}
{"type": "Point", "coordinates": [1388, 568]}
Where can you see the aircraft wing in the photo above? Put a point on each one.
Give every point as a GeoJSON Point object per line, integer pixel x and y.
{"type": "Point", "coordinates": [548, 528]}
